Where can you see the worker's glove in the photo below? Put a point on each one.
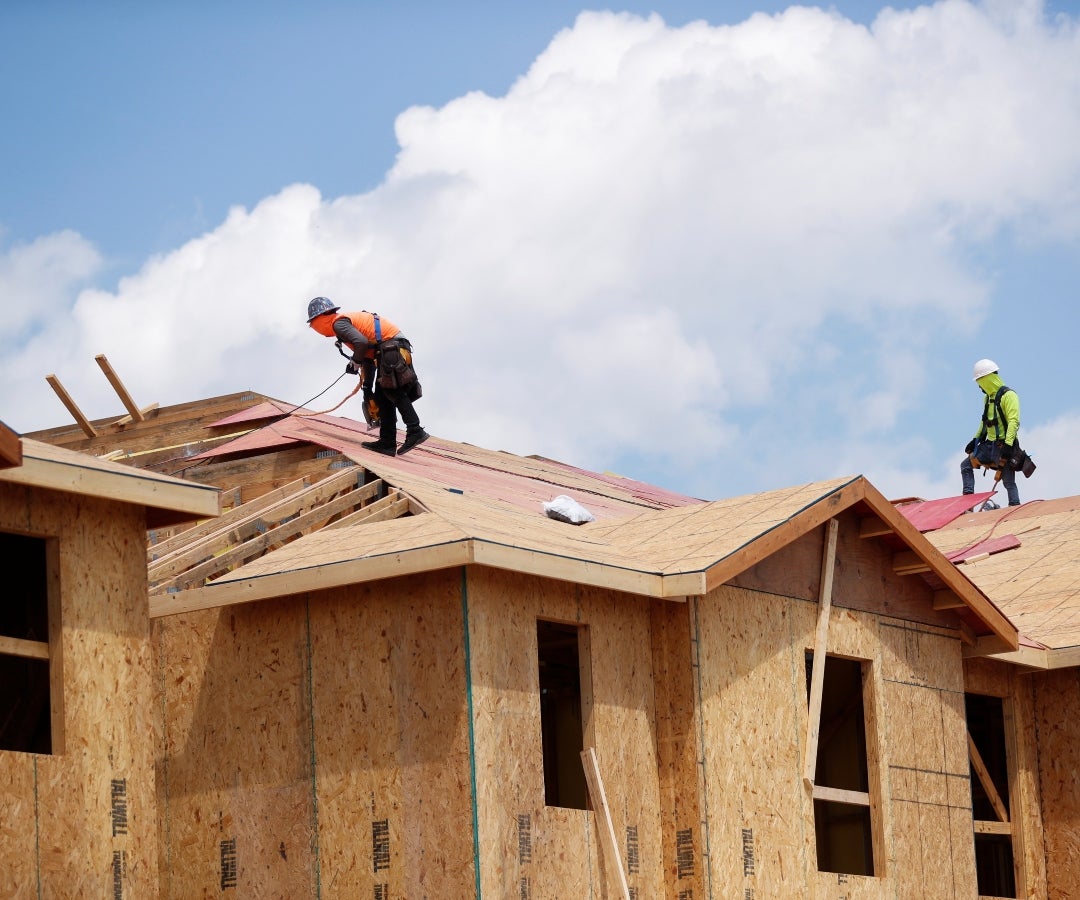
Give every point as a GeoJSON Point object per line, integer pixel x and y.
{"type": "Point", "coordinates": [970, 446]}
{"type": "Point", "coordinates": [352, 367]}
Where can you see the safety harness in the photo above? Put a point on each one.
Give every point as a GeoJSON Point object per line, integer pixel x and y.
{"type": "Point", "coordinates": [1000, 415]}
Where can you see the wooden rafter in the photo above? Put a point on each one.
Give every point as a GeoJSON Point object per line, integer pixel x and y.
{"type": "Point", "coordinates": [10, 448]}
{"type": "Point", "coordinates": [256, 528]}
{"type": "Point", "coordinates": [134, 412]}
{"type": "Point", "coordinates": [72, 406]}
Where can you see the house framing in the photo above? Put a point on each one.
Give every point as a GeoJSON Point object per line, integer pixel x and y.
{"type": "Point", "coordinates": [396, 677]}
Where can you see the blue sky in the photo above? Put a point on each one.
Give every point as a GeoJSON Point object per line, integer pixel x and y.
{"type": "Point", "coordinates": [724, 257]}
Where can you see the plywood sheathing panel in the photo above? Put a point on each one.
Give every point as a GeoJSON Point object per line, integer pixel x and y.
{"type": "Point", "coordinates": [753, 702]}
{"type": "Point", "coordinates": [677, 737]}
{"type": "Point", "coordinates": [754, 719]}
{"type": "Point", "coordinates": [1057, 696]}
{"type": "Point", "coordinates": [71, 816]}
{"type": "Point", "coordinates": [924, 731]}
{"type": "Point", "coordinates": [236, 796]}
{"type": "Point", "coordinates": [1037, 584]}
{"type": "Point", "coordinates": [564, 857]}
{"type": "Point", "coordinates": [863, 578]}
{"type": "Point", "coordinates": [391, 739]}
{"type": "Point", "coordinates": [164, 500]}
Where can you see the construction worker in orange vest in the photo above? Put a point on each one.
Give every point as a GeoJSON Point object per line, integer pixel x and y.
{"type": "Point", "coordinates": [382, 356]}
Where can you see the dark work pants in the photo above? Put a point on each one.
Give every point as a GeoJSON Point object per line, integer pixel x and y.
{"type": "Point", "coordinates": [390, 403]}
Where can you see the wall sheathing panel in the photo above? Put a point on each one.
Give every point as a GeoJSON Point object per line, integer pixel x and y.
{"type": "Point", "coordinates": [759, 814]}
{"type": "Point", "coordinates": [928, 774]}
{"type": "Point", "coordinates": [677, 739]}
{"type": "Point", "coordinates": [530, 850]}
{"type": "Point", "coordinates": [391, 739]}
{"type": "Point", "coordinates": [753, 701]}
{"type": "Point", "coordinates": [236, 777]}
{"type": "Point", "coordinates": [1057, 697]}
{"type": "Point", "coordinates": [318, 745]}
{"type": "Point", "coordinates": [81, 822]}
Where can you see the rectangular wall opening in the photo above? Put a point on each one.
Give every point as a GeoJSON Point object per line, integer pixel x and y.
{"type": "Point", "coordinates": [561, 715]}
{"type": "Point", "coordinates": [990, 801]}
{"type": "Point", "coordinates": [842, 821]}
{"type": "Point", "coordinates": [25, 688]}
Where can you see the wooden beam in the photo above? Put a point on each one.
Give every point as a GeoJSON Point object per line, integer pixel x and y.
{"type": "Point", "coordinates": [821, 646]}
{"type": "Point", "coordinates": [967, 633]}
{"type": "Point", "coordinates": [993, 828]}
{"type": "Point", "coordinates": [10, 448]}
{"type": "Point", "coordinates": [144, 412]}
{"type": "Point", "coordinates": [72, 406]}
{"type": "Point", "coordinates": [118, 386]}
{"type": "Point", "coordinates": [839, 795]}
{"type": "Point", "coordinates": [873, 526]}
{"type": "Point", "coordinates": [987, 645]}
{"type": "Point", "coordinates": [603, 817]}
{"type": "Point", "coordinates": [10, 646]}
{"type": "Point", "coordinates": [986, 781]}
{"type": "Point", "coordinates": [314, 578]}
{"type": "Point", "coordinates": [908, 562]}
{"type": "Point", "coordinates": [249, 548]}
{"type": "Point", "coordinates": [947, 600]}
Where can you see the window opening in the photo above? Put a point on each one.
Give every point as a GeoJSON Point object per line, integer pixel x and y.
{"type": "Point", "coordinates": [25, 709]}
{"type": "Point", "coordinates": [561, 719]}
{"type": "Point", "coordinates": [842, 822]}
{"type": "Point", "coordinates": [990, 801]}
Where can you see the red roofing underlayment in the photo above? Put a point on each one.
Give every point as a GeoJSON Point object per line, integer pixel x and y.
{"type": "Point", "coordinates": [452, 466]}
{"type": "Point", "coordinates": [266, 410]}
{"type": "Point", "coordinates": [985, 548]}
{"type": "Point", "coordinates": [930, 515]}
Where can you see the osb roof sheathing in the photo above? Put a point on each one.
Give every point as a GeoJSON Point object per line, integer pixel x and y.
{"type": "Point", "coordinates": [168, 501]}
{"type": "Point", "coordinates": [1036, 584]}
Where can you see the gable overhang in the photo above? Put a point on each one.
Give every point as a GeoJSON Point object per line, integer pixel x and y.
{"type": "Point", "coordinates": [167, 501]}
{"type": "Point", "coordinates": [1002, 632]}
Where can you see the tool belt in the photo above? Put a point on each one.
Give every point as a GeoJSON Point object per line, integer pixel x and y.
{"type": "Point", "coordinates": [1020, 461]}
{"type": "Point", "coordinates": [396, 372]}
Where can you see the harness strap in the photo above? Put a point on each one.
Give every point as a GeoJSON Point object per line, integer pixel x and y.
{"type": "Point", "coordinates": [1000, 415]}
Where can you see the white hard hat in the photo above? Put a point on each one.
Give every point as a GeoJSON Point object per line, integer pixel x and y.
{"type": "Point", "coordinates": [984, 367]}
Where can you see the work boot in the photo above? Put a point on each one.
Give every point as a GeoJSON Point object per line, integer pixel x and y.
{"type": "Point", "coordinates": [412, 438]}
{"type": "Point", "coordinates": [379, 447]}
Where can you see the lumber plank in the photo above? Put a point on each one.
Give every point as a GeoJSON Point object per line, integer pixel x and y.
{"type": "Point", "coordinates": [873, 526]}
{"type": "Point", "coordinates": [225, 520]}
{"type": "Point", "coordinates": [947, 600]}
{"type": "Point", "coordinates": [10, 646]}
{"type": "Point", "coordinates": [72, 406]}
{"type": "Point", "coordinates": [391, 506]}
{"type": "Point", "coordinates": [908, 562]}
{"type": "Point", "coordinates": [243, 528]}
{"type": "Point", "coordinates": [986, 781]}
{"type": "Point", "coordinates": [118, 386]}
{"type": "Point", "coordinates": [10, 448]}
{"type": "Point", "coordinates": [840, 795]}
{"type": "Point", "coordinates": [821, 646]}
{"type": "Point", "coordinates": [252, 547]}
{"type": "Point", "coordinates": [993, 827]}
{"type": "Point", "coordinates": [603, 817]}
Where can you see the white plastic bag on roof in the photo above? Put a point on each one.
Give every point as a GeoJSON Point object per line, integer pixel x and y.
{"type": "Point", "coordinates": [566, 509]}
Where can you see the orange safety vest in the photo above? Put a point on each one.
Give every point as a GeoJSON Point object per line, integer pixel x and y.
{"type": "Point", "coordinates": [364, 323]}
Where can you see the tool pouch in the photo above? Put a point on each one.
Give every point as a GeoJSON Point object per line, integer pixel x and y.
{"type": "Point", "coordinates": [395, 366]}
